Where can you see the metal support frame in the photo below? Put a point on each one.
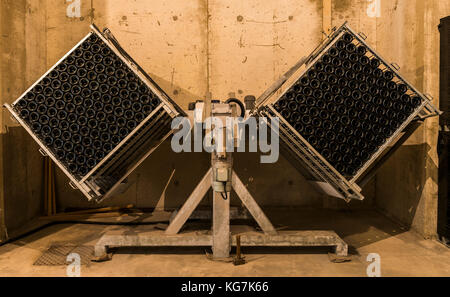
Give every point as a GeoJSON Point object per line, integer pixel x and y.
{"type": "Point", "coordinates": [148, 236]}
{"type": "Point", "coordinates": [167, 109]}
{"type": "Point", "coordinates": [221, 241]}
{"type": "Point", "coordinates": [221, 237]}
{"type": "Point", "coordinates": [327, 178]}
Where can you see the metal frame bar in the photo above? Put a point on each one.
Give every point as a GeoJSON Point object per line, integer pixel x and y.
{"type": "Point", "coordinates": [119, 146]}
{"type": "Point", "coordinates": [251, 205]}
{"type": "Point", "coordinates": [191, 203]}
{"type": "Point", "coordinates": [157, 238]}
{"type": "Point", "coordinates": [221, 239]}
{"type": "Point", "coordinates": [139, 138]}
{"type": "Point", "coordinates": [112, 190]}
{"type": "Point", "coordinates": [136, 147]}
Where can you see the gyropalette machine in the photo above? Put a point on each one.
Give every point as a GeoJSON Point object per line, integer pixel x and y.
{"type": "Point", "coordinates": [342, 111]}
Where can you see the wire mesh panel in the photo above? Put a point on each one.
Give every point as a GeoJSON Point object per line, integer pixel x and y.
{"type": "Point", "coordinates": [346, 106]}
{"type": "Point", "coordinates": [96, 114]}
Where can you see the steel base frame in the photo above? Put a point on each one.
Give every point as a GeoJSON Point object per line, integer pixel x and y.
{"type": "Point", "coordinates": [221, 238]}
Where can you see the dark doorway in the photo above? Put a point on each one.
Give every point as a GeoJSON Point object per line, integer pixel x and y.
{"type": "Point", "coordinates": [444, 134]}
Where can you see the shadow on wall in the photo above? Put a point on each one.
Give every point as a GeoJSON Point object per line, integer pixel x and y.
{"type": "Point", "coordinates": [400, 183]}
{"type": "Point", "coordinates": [275, 184]}
{"type": "Point", "coordinates": [23, 178]}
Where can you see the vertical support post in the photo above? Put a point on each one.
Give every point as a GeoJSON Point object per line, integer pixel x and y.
{"type": "Point", "coordinates": [221, 226]}
{"type": "Point", "coordinates": [222, 164]}
{"type": "Point", "coordinates": [221, 206]}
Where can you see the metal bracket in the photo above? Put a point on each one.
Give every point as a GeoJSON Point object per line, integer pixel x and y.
{"type": "Point", "coordinates": [43, 153]}
{"type": "Point", "coordinates": [431, 107]}
{"type": "Point", "coordinates": [110, 37]}
{"type": "Point", "coordinates": [396, 66]}
{"type": "Point", "coordinates": [72, 185]}
{"type": "Point", "coordinates": [428, 96]}
{"type": "Point", "coordinates": [168, 110]}
{"type": "Point", "coordinates": [362, 35]}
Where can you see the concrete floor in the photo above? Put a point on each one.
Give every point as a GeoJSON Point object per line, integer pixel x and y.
{"type": "Point", "coordinates": [402, 252]}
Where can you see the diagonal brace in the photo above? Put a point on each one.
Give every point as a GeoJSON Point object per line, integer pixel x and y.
{"type": "Point", "coordinates": [190, 204]}
{"type": "Point", "coordinates": [252, 206]}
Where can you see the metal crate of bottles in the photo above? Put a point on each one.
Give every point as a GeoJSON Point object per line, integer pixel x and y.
{"type": "Point", "coordinates": [340, 112]}
{"type": "Point", "coordinates": [96, 114]}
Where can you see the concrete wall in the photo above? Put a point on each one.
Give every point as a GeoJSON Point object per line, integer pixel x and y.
{"type": "Point", "coordinates": [214, 49]}
{"type": "Point", "coordinates": [23, 61]}
{"type": "Point", "coordinates": [412, 172]}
